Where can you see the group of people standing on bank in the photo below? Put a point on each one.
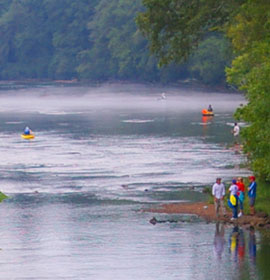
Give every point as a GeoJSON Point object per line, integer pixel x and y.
{"type": "Point", "coordinates": [236, 196]}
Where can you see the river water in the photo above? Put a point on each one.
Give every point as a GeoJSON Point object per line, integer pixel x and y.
{"type": "Point", "coordinates": [100, 155]}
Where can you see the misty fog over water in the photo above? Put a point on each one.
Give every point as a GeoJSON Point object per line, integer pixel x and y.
{"type": "Point", "coordinates": [99, 138]}
{"type": "Point", "coordinates": [112, 97]}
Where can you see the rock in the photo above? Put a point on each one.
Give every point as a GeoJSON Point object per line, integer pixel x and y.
{"type": "Point", "coordinates": [153, 221]}
{"type": "Point", "coordinates": [262, 215]}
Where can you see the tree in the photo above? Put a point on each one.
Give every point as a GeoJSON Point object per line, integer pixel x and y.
{"type": "Point", "coordinates": [24, 40]}
{"type": "Point", "coordinates": [4, 5]}
{"type": "Point", "coordinates": [117, 47]}
{"type": "Point", "coordinates": [42, 39]}
{"type": "Point", "coordinates": [176, 27]}
{"type": "Point", "coordinates": [67, 21]}
{"type": "Point", "coordinates": [210, 59]}
{"type": "Point", "coordinates": [250, 72]}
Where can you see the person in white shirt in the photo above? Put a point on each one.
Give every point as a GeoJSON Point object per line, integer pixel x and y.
{"type": "Point", "coordinates": [236, 130]}
{"type": "Point", "coordinates": [218, 191]}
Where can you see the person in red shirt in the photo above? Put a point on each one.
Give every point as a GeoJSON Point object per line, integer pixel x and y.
{"type": "Point", "coordinates": [241, 194]}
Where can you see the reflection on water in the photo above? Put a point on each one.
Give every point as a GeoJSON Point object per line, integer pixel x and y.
{"type": "Point", "coordinates": [237, 244]}
{"type": "Point", "coordinates": [206, 121]}
{"type": "Point", "coordinates": [240, 259]}
{"type": "Point", "coordinates": [252, 245]}
{"type": "Point", "coordinates": [219, 240]}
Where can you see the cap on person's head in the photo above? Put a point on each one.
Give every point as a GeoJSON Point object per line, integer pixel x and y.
{"type": "Point", "coordinates": [218, 179]}
{"type": "Point", "coordinates": [234, 181]}
{"type": "Point", "coordinates": [239, 178]}
{"type": "Point", "coordinates": [252, 178]}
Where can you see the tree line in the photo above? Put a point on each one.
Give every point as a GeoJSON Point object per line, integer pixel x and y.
{"type": "Point", "coordinates": [94, 40]}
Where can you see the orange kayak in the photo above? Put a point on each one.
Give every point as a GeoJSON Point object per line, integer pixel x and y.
{"type": "Point", "coordinates": [207, 113]}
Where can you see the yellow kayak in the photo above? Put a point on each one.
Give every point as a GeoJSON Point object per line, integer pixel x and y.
{"type": "Point", "coordinates": [28, 136]}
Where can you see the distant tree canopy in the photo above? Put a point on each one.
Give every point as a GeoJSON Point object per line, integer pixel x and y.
{"type": "Point", "coordinates": [209, 60]}
{"type": "Point", "coordinates": [92, 39]}
{"type": "Point", "coordinates": [175, 28]}
{"type": "Point", "coordinates": [178, 28]}
{"type": "Point", "coordinates": [41, 39]}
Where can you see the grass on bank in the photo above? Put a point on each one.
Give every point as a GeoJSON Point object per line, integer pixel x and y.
{"type": "Point", "coordinates": [263, 197]}
{"type": "Point", "coordinates": [2, 196]}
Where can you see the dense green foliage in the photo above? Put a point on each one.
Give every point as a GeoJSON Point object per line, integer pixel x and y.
{"type": "Point", "coordinates": [119, 51]}
{"type": "Point", "coordinates": [262, 199]}
{"type": "Point", "coordinates": [91, 39]}
{"type": "Point", "coordinates": [175, 28]}
{"type": "Point", "coordinates": [250, 72]}
{"type": "Point", "coordinates": [210, 59]}
{"type": "Point", "coordinates": [41, 39]}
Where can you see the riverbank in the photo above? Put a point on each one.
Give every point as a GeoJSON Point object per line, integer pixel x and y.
{"type": "Point", "coordinates": [206, 211]}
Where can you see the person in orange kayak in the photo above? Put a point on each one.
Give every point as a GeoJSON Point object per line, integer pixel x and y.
{"type": "Point", "coordinates": [210, 109]}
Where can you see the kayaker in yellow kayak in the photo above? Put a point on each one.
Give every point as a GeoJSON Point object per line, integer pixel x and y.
{"type": "Point", "coordinates": [27, 133]}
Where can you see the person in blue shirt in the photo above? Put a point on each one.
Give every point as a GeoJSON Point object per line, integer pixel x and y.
{"type": "Point", "coordinates": [27, 131]}
{"type": "Point", "coordinates": [252, 194]}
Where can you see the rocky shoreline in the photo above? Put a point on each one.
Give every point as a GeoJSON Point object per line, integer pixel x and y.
{"type": "Point", "coordinates": [206, 212]}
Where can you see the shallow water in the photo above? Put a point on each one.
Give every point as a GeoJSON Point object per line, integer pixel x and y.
{"type": "Point", "coordinates": [100, 155]}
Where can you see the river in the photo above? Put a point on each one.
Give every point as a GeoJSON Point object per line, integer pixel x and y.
{"type": "Point", "coordinates": [100, 155]}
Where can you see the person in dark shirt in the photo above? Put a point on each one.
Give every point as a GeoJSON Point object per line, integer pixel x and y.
{"type": "Point", "coordinates": [210, 109]}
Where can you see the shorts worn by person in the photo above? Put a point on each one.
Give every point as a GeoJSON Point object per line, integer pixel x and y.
{"type": "Point", "coordinates": [218, 191]}
{"type": "Point", "coordinates": [252, 188]}
{"type": "Point", "coordinates": [233, 199]}
{"type": "Point", "coordinates": [241, 195]}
